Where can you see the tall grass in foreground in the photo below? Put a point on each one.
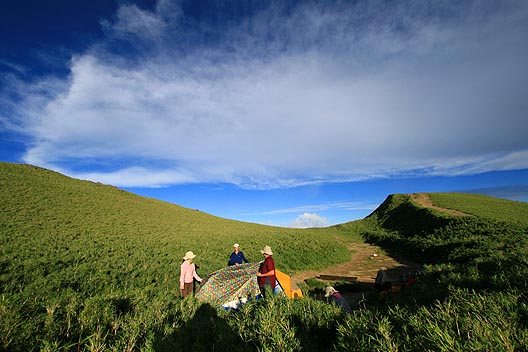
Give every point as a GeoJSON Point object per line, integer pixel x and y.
{"type": "Point", "coordinates": [465, 321]}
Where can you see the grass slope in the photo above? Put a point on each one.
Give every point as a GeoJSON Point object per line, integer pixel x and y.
{"type": "Point", "coordinates": [94, 252]}
{"type": "Point", "coordinates": [472, 295]}
{"type": "Point", "coordinates": [44, 212]}
{"type": "Point", "coordinates": [497, 228]}
{"type": "Point", "coordinates": [89, 267]}
{"type": "Point", "coordinates": [484, 206]}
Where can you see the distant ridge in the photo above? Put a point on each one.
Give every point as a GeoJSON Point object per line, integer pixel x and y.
{"type": "Point", "coordinates": [425, 201]}
{"type": "Point", "coordinates": [422, 208]}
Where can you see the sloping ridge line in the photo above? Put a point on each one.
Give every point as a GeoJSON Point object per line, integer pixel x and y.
{"type": "Point", "coordinates": [425, 201]}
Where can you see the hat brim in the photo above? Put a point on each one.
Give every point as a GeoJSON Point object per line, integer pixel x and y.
{"type": "Point", "coordinates": [330, 292]}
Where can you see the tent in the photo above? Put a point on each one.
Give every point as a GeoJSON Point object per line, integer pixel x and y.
{"type": "Point", "coordinates": [229, 286]}
{"type": "Point", "coordinates": [287, 285]}
{"type": "Point", "coordinates": [234, 285]}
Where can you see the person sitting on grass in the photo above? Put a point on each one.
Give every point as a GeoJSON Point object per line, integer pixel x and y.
{"type": "Point", "coordinates": [333, 296]}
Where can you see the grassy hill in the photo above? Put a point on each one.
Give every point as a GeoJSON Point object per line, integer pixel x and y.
{"type": "Point", "coordinates": [484, 206]}
{"type": "Point", "coordinates": [473, 291]}
{"type": "Point", "coordinates": [94, 252]}
{"type": "Point", "coordinates": [86, 266]}
{"type": "Point", "coordinates": [494, 228]}
{"type": "Point", "coordinates": [84, 221]}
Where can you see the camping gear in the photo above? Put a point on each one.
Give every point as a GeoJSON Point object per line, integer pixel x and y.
{"type": "Point", "coordinates": [402, 287]}
{"type": "Point", "coordinates": [232, 286]}
{"type": "Point", "coordinates": [287, 285]}
{"type": "Point", "coordinates": [227, 286]}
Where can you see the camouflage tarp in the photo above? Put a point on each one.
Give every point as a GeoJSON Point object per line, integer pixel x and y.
{"type": "Point", "coordinates": [230, 284]}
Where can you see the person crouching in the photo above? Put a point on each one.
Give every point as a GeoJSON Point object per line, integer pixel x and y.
{"type": "Point", "coordinates": [333, 296]}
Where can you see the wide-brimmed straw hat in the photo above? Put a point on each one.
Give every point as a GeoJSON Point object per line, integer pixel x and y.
{"type": "Point", "coordinates": [189, 255]}
{"type": "Point", "coordinates": [330, 291]}
{"type": "Point", "coordinates": [267, 250]}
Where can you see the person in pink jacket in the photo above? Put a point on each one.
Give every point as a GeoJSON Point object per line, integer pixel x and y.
{"type": "Point", "coordinates": [188, 273]}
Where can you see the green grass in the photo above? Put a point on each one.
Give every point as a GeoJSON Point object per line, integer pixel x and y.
{"type": "Point", "coordinates": [483, 206]}
{"type": "Point", "coordinates": [81, 260]}
{"type": "Point", "coordinates": [79, 221]}
{"type": "Point", "coordinates": [89, 267]}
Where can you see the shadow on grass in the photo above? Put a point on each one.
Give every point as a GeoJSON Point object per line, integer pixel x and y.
{"type": "Point", "coordinates": [206, 331]}
{"type": "Point", "coordinates": [364, 295]}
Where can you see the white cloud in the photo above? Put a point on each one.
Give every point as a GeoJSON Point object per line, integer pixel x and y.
{"type": "Point", "coordinates": [337, 94]}
{"type": "Point", "coordinates": [308, 220]}
{"type": "Point", "coordinates": [13, 66]}
{"type": "Point", "coordinates": [132, 24]}
{"type": "Point", "coordinates": [131, 177]}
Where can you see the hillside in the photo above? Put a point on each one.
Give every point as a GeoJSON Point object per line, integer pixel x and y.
{"type": "Point", "coordinates": [487, 234]}
{"type": "Point", "coordinates": [484, 206]}
{"type": "Point", "coordinates": [89, 267]}
{"type": "Point", "coordinates": [423, 216]}
{"type": "Point", "coordinates": [84, 220]}
{"type": "Point", "coordinates": [423, 212]}
{"type": "Point", "coordinates": [77, 257]}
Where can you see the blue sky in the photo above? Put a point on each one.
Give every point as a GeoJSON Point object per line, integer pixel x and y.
{"type": "Point", "coordinates": [288, 113]}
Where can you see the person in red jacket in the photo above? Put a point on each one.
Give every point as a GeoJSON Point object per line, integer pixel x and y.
{"type": "Point", "coordinates": [266, 274]}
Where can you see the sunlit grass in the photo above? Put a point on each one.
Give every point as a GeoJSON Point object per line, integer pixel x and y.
{"type": "Point", "coordinates": [89, 267]}
{"type": "Point", "coordinates": [483, 206]}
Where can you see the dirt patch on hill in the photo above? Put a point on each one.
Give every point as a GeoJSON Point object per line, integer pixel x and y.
{"type": "Point", "coordinates": [364, 264]}
{"type": "Point", "coordinates": [367, 259]}
{"type": "Point", "coordinates": [424, 200]}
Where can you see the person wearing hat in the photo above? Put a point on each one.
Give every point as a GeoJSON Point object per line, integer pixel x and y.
{"type": "Point", "coordinates": [333, 296]}
{"type": "Point", "coordinates": [266, 274]}
{"type": "Point", "coordinates": [237, 257]}
{"type": "Point", "coordinates": [188, 274]}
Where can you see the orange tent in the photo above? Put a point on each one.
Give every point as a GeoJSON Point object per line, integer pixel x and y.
{"type": "Point", "coordinates": [288, 286]}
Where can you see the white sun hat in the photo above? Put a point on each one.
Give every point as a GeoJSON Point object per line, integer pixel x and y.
{"type": "Point", "coordinates": [330, 291]}
{"type": "Point", "coordinates": [267, 250]}
{"type": "Point", "coordinates": [189, 255]}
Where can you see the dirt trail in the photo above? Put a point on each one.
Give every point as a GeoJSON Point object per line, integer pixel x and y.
{"type": "Point", "coordinates": [367, 259]}
{"type": "Point", "coordinates": [364, 264]}
{"type": "Point", "coordinates": [424, 200]}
